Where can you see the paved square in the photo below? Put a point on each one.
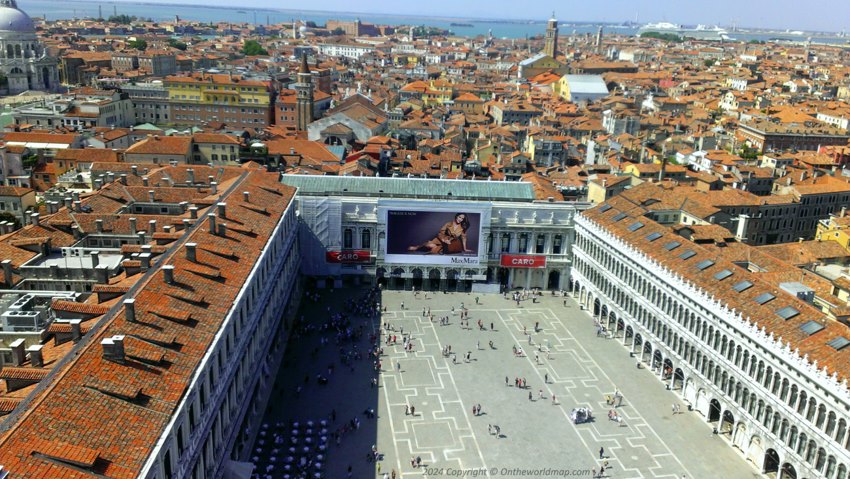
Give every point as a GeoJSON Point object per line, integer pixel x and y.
{"type": "Point", "coordinates": [564, 366]}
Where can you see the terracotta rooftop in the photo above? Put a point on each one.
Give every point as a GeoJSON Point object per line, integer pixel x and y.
{"type": "Point", "coordinates": [103, 432]}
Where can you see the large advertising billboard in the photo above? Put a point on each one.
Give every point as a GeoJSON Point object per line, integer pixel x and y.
{"type": "Point", "coordinates": [433, 236]}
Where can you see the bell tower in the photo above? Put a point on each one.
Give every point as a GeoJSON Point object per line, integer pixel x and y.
{"type": "Point", "coordinates": [304, 96]}
{"type": "Point", "coordinates": [551, 46]}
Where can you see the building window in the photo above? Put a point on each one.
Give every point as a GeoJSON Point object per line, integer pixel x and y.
{"type": "Point", "coordinates": [506, 243]}
{"type": "Point", "coordinates": [556, 244]}
{"type": "Point", "coordinates": [523, 243]}
{"type": "Point", "coordinates": [347, 238]}
{"type": "Point", "coordinates": [541, 244]}
{"type": "Point", "coordinates": [366, 239]}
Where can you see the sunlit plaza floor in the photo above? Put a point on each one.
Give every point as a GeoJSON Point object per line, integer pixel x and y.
{"type": "Point", "coordinates": [538, 438]}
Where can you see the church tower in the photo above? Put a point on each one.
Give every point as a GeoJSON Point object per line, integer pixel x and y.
{"type": "Point", "coordinates": [551, 47]}
{"type": "Point", "coordinates": [304, 95]}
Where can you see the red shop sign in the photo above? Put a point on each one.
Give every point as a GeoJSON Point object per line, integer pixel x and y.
{"type": "Point", "coordinates": [348, 257]}
{"type": "Point", "coordinates": [522, 261]}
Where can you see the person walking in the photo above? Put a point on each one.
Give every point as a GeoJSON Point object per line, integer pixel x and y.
{"type": "Point", "coordinates": [506, 382]}
{"type": "Point", "coordinates": [530, 397]}
{"type": "Point", "coordinates": [601, 452]}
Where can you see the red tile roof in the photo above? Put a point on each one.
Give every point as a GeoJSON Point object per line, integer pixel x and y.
{"type": "Point", "coordinates": [84, 403]}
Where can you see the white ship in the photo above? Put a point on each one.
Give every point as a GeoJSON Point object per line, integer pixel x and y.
{"type": "Point", "coordinates": [700, 32]}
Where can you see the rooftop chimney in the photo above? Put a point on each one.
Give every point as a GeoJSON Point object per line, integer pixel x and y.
{"type": "Point", "coordinates": [76, 333]}
{"type": "Point", "coordinates": [211, 219]}
{"type": "Point", "coordinates": [152, 196]}
{"type": "Point", "coordinates": [152, 226]}
{"type": "Point", "coordinates": [213, 188]}
{"type": "Point", "coordinates": [135, 170]}
{"type": "Point", "coordinates": [843, 212]}
{"type": "Point", "coordinates": [34, 218]}
{"type": "Point", "coordinates": [145, 259]}
{"type": "Point", "coordinates": [98, 184]}
{"type": "Point", "coordinates": [133, 226]}
{"type": "Point", "coordinates": [168, 273]}
{"type": "Point", "coordinates": [191, 252]}
{"type": "Point", "coordinates": [18, 353]}
{"type": "Point", "coordinates": [193, 212]}
{"type": "Point", "coordinates": [69, 202]}
{"type": "Point", "coordinates": [191, 174]}
{"type": "Point", "coordinates": [98, 223]}
{"type": "Point", "coordinates": [36, 359]}
{"type": "Point", "coordinates": [102, 273]}
{"type": "Point", "coordinates": [113, 348]}
{"type": "Point", "coordinates": [246, 196]}
{"type": "Point", "coordinates": [95, 258]}
{"type": "Point", "coordinates": [76, 231]}
{"type": "Point", "coordinates": [7, 272]}
{"type": "Point", "coordinates": [222, 229]}
{"type": "Point", "coordinates": [144, 181]}
{"type": "Point", "coordinates": [124, 179]}
{"type": "Point", "coordinates": [222, 207]}
{"type": "Point", "coordinates": [141, 236]}
{"type": "Point", "coordinates": [130, 310]}
{"type": "Point", "coordinates": [78, 207]}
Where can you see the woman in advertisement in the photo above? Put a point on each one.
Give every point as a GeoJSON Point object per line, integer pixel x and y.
{"type": "Point", "coordinates": [450, 239]}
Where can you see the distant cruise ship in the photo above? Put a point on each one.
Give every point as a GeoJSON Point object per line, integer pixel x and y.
{"type": "Point", "coordinates": [700, 32]}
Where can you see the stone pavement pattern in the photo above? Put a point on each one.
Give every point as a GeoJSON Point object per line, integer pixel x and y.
{"type": "Point", "coordinates": [535, 434]}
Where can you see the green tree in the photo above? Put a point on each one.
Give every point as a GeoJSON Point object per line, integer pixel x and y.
{"type": "Point", "coordinates": [667, 37]}
{"type": "Point", "coordinates": [138, 44]}
{"type": "Point", "coordinates": [709, 62]}
{"type": "Point", "coordinates": [121, 19]}
{"type": "Point", "coordinates": [338, 31]}
{"type": "Point", "coordinates": [174, 43]}
{"type": "Point", "coordinates": [311, 24]}
{"type": "Point", "coordinates": [252, 48]}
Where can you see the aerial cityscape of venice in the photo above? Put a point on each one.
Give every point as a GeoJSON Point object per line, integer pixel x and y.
{"type": "Point", "coordinates": [444, 240]}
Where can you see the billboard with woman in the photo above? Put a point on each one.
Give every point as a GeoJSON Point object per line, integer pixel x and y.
{"type": "Point", "coordinates": [433, 237]}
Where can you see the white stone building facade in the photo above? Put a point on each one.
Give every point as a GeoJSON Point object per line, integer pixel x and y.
{"type": "Point", "coordinates": [775, 405]}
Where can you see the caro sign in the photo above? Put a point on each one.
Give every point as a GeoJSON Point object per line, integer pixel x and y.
{"type": "Point", "coordinates": [522, 261]}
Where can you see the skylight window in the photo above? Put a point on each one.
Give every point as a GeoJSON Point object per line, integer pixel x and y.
{"type": "Point", "coordinates": [705, 264]}
{"type": "Point", "coordinates": [672, 245]}
{"type": "Point", "coordinates": [635, 226]}
{"type": "Point", "coordinates": [763, 298]}
{"type": "Point", "coordinates": [620, 216]}
{"type": "Point", "coordinates": [787, 312]}
{"type": "Point", "coordinates": [811, 327]}
{"type": "Point", "coordinates": [653, 236]}
{"type": "Point", "coordinates": [687, 254]}
{"type": "Point", "coordinates": [742, 286]}
{"type": "Point", "coordinates": [839, 343]}
{"type": "Point", "coordinates": [720, 276]}
{"type": "Point", "coordinates": [604, 208]}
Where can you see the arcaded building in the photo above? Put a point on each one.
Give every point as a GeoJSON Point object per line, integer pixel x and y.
{"type": "Point", "coordinates": [766, 368]}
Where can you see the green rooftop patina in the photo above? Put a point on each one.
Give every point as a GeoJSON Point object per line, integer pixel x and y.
{"type": "Point", "coordinates": [410, 188]}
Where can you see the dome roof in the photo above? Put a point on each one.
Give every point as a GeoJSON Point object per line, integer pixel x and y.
{"type": "Point", "coordinates": [14, 20]}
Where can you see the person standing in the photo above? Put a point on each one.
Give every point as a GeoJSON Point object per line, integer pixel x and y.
{"type": "Point", "coordinates": [601, 452]}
